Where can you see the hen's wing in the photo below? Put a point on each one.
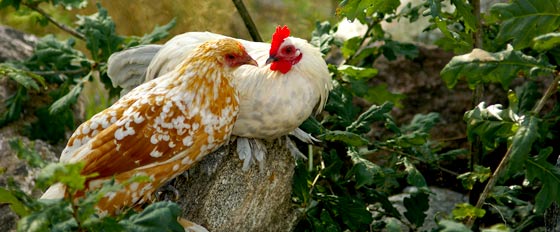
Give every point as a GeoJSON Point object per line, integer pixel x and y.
{"type": "Point", "coordinates": [127, 69]}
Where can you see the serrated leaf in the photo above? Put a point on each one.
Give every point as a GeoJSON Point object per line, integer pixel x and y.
{"type": "Point", "coordinates": [539, 168]}
{"type": "Point", "coordinates": [349, 138]}
{"type": "Point", "coordinates": [355, 214]}
{"type": "Point", "coordinates": [497, 228]}
{"type": "Point", "coordinates": [416, 205]}
{"type": "Point", "coordinates": [71, 4]}
{"type": "Point", "coordinates": [67, 174]}
{"type": "Point", "coordinates": [340, 106]}
{"type": "Point", "coordinates": [300, 183]}
{"type": "Point", "coordinates": [350, 47]}
{"type": "Point", "coordinates": [522, 142]}
{"type": "Point", "coordinates": [464, 9]}
{"type": "Point", "coordinates": [480, 66]}
{"type": "Point", "coordinates": [392, 49]}
{"type": "Point", "coordinates": [361, 9]}
{"type": "Point", "coordinates": [374, 113]}
{"type": "Point", "coordinates": [479, 174]}
{"type": "Point", "coordinates": [378, 94]}
{"type": "Point", "coordinates": [466, 210]}
{"type": "Point", "coordinates": [30, 155]}
{"type": "Point", "coordinates": [322, 36]}
{"type": "Point", "coordinates": [25, 78]}
{"type": "Point", "coordinates": [452, 226]}
{"type": "Point", "coordinates": [102, 39]}
{"type": "Point", "coordinates": [358, 73]}
{"type": "Point", "coordinates": [159, 216]}
{"type": "Point", "coordinates": [56, 216]}
{"type": "Point", "coordinates": [422, 123]}
{"type": "Point", "coordinates": [158, 33]}
{"type": "Point", "coordinates": [56, 55]}
{"type": "Point", "coordinates": [524, 19]}
{"type": "Point", "coordinates": [67, 100]}
{"type": "Point", "coordinates": [414, 177]}
{"type": "Point", "coordinates": [364, 170]}
{"type": "Point", "coordinates": [492, 124]}
{"type": "Point", "coordinates": [547, 41]}
{"type": "Point", "coordinates": [6, 197]}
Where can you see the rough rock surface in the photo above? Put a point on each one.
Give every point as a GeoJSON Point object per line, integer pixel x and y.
{"type": "Point", "coordinates": [15, 45]}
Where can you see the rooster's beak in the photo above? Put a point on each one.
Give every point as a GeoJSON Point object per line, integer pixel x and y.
{"type": "Point", "coordinates": [271, 59]}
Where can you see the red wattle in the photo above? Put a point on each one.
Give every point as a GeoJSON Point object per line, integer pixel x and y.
{"type": "Point", "coordinates": [282, 66]}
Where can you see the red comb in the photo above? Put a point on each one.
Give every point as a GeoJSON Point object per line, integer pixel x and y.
{"type": "Point", "coordinates": [278, 37]}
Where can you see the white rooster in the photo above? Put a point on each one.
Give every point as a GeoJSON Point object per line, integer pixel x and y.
{"type": "Point", "coordinates": [291, 80]}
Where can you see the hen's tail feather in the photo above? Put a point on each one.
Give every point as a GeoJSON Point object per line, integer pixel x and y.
{"type": "Point", "coordinates": [127, 69]}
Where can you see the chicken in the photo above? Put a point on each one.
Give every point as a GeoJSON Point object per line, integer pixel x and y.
{"type": "Point", "coordinates": [161, 128]}
{"type": "Point", "coordinates": [273, 99]}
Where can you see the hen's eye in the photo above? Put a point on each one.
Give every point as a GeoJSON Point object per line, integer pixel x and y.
{"type": "Point", "coordinates": [230, 57]}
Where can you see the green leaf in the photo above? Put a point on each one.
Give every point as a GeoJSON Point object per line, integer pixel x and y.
{"type": "Point", "coordinates": [464, 10]}
{"type": "Point", "coordinates": [17, 206]}
{"type": "Point", "coordinates": [524, 19]}
{"type": "Point", "coordinates": [56, 55]}
{"type": "Point", "coordinates": [301, 184]}
{"type": "Point", "coordinates": [71, 4]}
{"type": "Point", "coordinates": [350, 47]}
{"type": "Point", "coordinates": [102, 39]}
{"type": "Point", "coordinates": [25, 78]}
{"type": "Point", "coordinates": [547, 41]}
{"type": "Point", "coordinates": [452, 226]}
{"type": "Point", "coordinates": [357, 73]}
{"type": "Point", "coordinates": [354, 212]}
{"type": "Point", "coordinates": [67, 100]}
{"type": "Point", "coordinates": [159, 216]}
{"type": "Point", "coordinates": [340, 106]}
{"type": "Point", "coordinates": [414, 177]}
{"type": "Point", "coordinates": [361, 9]}
{"type": "Point", "coordinates": [466, 210]}
{"type": "Point", "coordinates": [67, 174]}
{"type": "Point", "coordinates": [422, 123]}
{"type": "Point", "coordinates": [480, 66]}
{"type": "Point", "coordinates": [479, 174]}
{"type": "Point", "coordinates": [522, 143]}
{"type": "Point", "coordinates": [392, 49]}
{"type": "Point", "coordinates": [378, 94]}
{"type": "Point", "coordinates": [416, 205]}
{"type": "Point", "coordinates": [349, 138]}
{"type": "Point", "coordinates": [158, 33]}
{"type": "Point", "coordinates": [30, 155]}
{"type": "Point", "coordinates": [364, 170]}
{"type": "Point", "coordinates": [492, 124]}
{"type": "Point", "coordinates": [374, 113]}
{"type": "Point", "coordinates": [55, 216]}
{"type": "Point", "coordinates": [322, 36]}
{"type": "Point", "coordinates": [14, 106]}
{"type": "Point", "coordinates": [497, 228]}
{"type": "Point", "coordinates": [539, 168]}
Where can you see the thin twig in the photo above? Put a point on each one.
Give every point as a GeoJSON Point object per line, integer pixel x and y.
{"type": "Point", "coordinates": [247, 20]}
{"type": "Point", "coordinates": [415, 158]}
{"type": "Point", "coordinates": [551, 89]}
{"type": "Point", "coordinates": [56, 23]}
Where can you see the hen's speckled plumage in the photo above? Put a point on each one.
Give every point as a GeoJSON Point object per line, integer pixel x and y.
{"type": "Point", "coordinates": [160, 128]}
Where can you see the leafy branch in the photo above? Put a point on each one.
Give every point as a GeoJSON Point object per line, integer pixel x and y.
{"type": "Point", "coordinates": [521, 144]}
{"type": "Point", "coordinates": [69, 30]}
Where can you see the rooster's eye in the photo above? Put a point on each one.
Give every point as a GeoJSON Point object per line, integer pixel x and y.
{"type": "Point", "coordinates": [289, 50]}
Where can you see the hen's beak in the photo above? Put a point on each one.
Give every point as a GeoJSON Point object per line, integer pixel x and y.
{"type": "Point", "coordinates": [252, 62]}
{"type": "Point", "coordinates": [271, 59]}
